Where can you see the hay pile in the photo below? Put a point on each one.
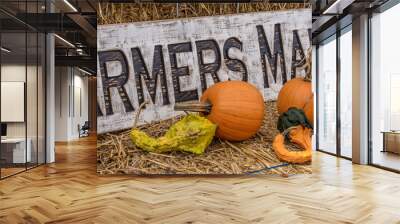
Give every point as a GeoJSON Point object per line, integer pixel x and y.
{"type": "Point", "coordinates": [116, 154]}
{"type": "Point", "coordinates": [113, 13]}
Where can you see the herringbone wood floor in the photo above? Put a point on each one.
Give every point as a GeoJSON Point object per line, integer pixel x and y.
{"type": "Point", "coordinates": [69, 191]}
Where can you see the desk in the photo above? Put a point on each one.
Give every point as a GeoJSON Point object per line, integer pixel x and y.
{"type": "Point", "coordinates": [13, 150]}
{"type": "Point", "coordinates": [391, 141]}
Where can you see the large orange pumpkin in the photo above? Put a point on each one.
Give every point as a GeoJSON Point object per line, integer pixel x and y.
{"type": "Point", "coordinates": [236, 107]}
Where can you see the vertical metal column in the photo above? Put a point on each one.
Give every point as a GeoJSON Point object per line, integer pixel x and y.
{"type": "Point", "coordinates": [338, 77]}
{"type": "Point", "coordinates": [50, 92]}
{"type": "Point", "coordinates": [26, 87]}
{"type": "Point", "coordinates": [360, 90]}
{"type": "Point", "coordinates": [316, 97]}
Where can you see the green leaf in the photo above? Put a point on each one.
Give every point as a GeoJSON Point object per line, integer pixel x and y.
{"type": "Point", "coordinates": [293, 117]}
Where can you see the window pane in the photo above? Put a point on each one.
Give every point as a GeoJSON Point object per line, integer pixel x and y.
{"type": "Point", "coordinates": [385, 89]}
{"type": "Point", "coordinates": [346, 94]}
{"type": "Point", "coordinates": [31, 97]}
{"type": "Point", "coordinates": [327, 96]}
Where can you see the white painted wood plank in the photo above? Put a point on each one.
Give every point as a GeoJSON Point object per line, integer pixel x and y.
{"type": "Point", "coordinates": [146, 35]}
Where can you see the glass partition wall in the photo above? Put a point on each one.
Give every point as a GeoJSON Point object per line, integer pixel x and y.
{"type": "Point", "coordinates": [385, 90]}
{"type": "Point", "coordinates": [327, 96]}
{"type": "Point", "coordinates": [22, 77]}
{"type": "Point", "coordinates": [334, 94]}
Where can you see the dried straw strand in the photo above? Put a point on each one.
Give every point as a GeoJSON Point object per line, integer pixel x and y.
{"type": "Point", "coordinates": [114, 13]}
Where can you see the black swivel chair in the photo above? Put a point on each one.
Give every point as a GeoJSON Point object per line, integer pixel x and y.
{"type": "Point", "coordinates": [84, 130]}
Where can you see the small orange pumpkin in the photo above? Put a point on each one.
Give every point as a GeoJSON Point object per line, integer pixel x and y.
{"type": "Point", "coordinates": [236, 107]}
{"type": "Point", "coordinates": [296, 93]}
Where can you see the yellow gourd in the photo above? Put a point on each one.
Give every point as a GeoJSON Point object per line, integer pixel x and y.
{"type": "Point", "coordinates": [191, 134]}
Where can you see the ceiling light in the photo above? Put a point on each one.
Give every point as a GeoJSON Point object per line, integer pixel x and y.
{"type": "Point", "coordinates": [84, 71]}
{"type": "Point", "coordinates": [65, 41]}
{"type": "Point", "coordinates": [5, 50]}
{"type": "Point", "coordinates": [79, 51]}
{"type": "Point", "coordinates": [70, 5]}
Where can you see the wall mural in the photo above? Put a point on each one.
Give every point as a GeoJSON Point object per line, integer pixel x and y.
{"type": "Point", "coordinates": [172, 62]}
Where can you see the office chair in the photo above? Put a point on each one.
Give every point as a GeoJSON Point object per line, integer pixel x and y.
{"type": "Point", "coordinates": [84, 130]}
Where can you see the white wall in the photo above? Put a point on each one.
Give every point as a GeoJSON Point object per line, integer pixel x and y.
{"type": "Point", "coordinates": [14, 73]}
{"type": "Point", "coordinates": [62, 81]}
{"type": "Point", "coordinates": [80, 110]}
{"type": "Point", "coordinates": [70, 84]}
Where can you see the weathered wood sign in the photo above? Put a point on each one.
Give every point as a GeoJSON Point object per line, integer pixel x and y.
{"type": "Point", "coordinates": [171, 61]}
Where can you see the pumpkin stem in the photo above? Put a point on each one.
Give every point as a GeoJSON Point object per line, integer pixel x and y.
{"type": "Point", "coordinates": [194, 107]}
{"type": "Point", "coordinates": [287, 131]}
{"type": "Point", "coordinates": [138, 113]}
